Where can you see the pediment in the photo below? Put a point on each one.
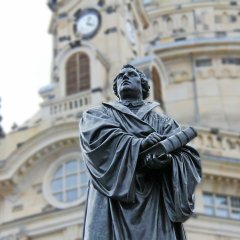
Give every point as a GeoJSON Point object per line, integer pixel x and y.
{"type": "Point", "coordinates": [36, 148]}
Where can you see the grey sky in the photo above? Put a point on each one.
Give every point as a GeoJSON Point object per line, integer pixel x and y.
{"type": "Point", "coordinates": [25, 59]}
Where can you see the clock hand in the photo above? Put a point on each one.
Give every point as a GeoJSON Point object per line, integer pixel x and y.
{"type": "Point", "coordinates": [89, 24]}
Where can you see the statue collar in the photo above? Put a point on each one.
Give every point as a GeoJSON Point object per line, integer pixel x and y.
{"type": "Point", "coordinates": [144, 109]}
{"type": "Point", "coordinates": [131, 103]}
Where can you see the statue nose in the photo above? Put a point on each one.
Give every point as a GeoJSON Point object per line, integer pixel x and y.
{"type": "Point", "coordinates": [125, 75]}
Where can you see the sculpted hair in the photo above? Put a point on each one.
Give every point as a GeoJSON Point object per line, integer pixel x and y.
{"type": "Point", "coordinates": [144, 82]}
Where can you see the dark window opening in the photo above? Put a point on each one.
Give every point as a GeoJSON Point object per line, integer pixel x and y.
{"type": "Point", "coordinates": [221, 205]}
{"type": "Point", "coordinates": [77, 73]}
{"type": "Point", "coordinates": [203, 62]}
{"type": "Point", "coordinates": [233, 18]}
{"type": "Point", "coordinates": [229, 60]}
{"type": "Point", "coordinates": [220, 34]}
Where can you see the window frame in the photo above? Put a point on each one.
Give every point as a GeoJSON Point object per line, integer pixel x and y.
{"type": "Point", "coordinates": [215, 206]}
{"type": "Point", "coordinates": [49, 176]}
{"type": "Point", "coordinates": [203, 62]}
{"type": "Point", "coordinates": [77, 74]}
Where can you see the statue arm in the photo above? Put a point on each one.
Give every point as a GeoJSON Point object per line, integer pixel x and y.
{"type": "Point", "coordinates": [180, 179]}
{"type": "Point", "coordinates": [110, 155]}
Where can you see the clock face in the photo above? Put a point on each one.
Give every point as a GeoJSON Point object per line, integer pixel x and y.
{"type": "Point", "coordinates": [87, 23]}
{"type": "Point", "coordinates": [131, 33]}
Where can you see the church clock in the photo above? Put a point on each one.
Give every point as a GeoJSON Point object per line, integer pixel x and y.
{"type": "Point", "coordinates": [87, 23]}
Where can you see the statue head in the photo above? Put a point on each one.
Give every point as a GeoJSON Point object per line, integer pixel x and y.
{"type": "Point", "coordinates": [131, 83]}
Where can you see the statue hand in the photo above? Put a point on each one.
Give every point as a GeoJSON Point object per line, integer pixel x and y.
{"type": "Point", "coordinates": [150, 140]}
{"type": "Point", "coordinates": [154, 162]}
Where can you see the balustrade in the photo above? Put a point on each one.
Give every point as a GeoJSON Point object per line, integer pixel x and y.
{"type": "Point", "coordinates": [220, 142]}
{"type": "Point", "coordinates": [68, 106]}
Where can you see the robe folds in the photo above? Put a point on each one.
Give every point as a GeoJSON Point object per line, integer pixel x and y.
{"type": "Point", "coordinates": [126, 202]}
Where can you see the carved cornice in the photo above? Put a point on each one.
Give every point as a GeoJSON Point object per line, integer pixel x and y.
{"type": "Point", "coordinates": [47, 222]}
{"type": "Point", "coordinates": [8, 182]}
{"type": "Point", "coordinates": [39, 146]}
{"type": "Point", "coordinates": [220, 154]}
{"type": "Point", "coordinates": [173, 49]}
{"type": "Point", "coordinates": [220, 178]}
{"type": "Point", "coordinates": [159, 9]}
{"type": "Point", "coordinates": [217, 142]}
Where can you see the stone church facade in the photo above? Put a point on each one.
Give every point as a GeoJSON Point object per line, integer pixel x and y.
{"type": "Point", "coordinates": [189, 49]}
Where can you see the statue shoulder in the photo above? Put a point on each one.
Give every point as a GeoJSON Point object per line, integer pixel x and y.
{"type": "Point", "coordinates": [157, 112]}
{"type": "Point", "coordinates": [169, 124]}
{"type": "Point", "coordinates": [95, 110]}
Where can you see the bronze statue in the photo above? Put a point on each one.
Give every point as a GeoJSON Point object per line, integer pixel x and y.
{"type": "Point", "coordinates": [134, 195]}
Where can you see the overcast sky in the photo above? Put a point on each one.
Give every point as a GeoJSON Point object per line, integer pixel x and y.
{"type": "Point", "coordinates": [25, 58]}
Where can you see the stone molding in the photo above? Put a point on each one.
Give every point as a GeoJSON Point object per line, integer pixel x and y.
{"type": "Point", "coordinates": [37, 147]}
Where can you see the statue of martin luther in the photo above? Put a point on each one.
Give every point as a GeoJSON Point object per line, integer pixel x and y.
{"type": "Point", "coordinates": [132, 198]}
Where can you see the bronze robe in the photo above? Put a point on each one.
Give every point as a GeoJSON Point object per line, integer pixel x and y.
{"type": "Point", "coordinates": [126, 202]}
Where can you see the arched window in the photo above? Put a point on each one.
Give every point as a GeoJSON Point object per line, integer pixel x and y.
{"type": "Point", "coordinates": [157, 88]}
{"type": "Point", "coordinates": [77, 73]}
{"type": "Point", "coordinates": [69, 181]}
{"type": "Point", "coordinates": [66, 181]}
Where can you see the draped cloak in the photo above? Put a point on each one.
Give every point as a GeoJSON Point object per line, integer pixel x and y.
{"type": "Point", "coordinates": [126, 202]}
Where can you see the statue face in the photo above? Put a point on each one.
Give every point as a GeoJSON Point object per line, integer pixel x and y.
{"type": "Point", "coordinates": [129, 84]}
